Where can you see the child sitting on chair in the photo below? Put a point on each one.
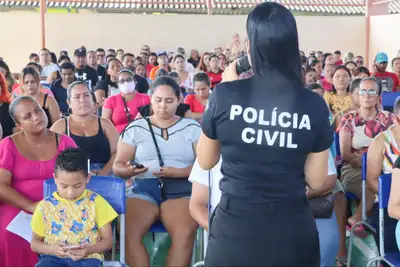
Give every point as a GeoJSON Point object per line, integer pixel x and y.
{"type": "Point", "coordinates": [73, 225]}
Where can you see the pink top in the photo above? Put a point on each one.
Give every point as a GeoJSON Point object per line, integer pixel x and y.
{"type": "Point", "coordinates": [45, 90]}
{"type": "Point", "coordinates": [326, 85]}
{"type": "Point", "coordinates": [27, 179]}
{"type": "Point", "coordinates": [119, 116]}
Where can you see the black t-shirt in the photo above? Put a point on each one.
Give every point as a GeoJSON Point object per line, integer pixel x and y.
{"type": "Point", "coordinates": [6, 121]}
{"type": "Point", "coordinates": [60, 94]}
{"type": "Point", "coordinates": [101, 72]}
{"type": "Point", "coordinates": [266, 129]}
{"type": "Point", "coordinates": [87, 74]}
{"type": "Point", "coordinates": [142, 86]}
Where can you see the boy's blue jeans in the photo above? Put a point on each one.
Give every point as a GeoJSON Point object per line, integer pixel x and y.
{"type": "Point", "coordinates": [53, 261]}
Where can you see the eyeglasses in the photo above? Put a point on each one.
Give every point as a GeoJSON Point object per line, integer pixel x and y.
{"type": "Point", "coordinates": [359, 61]}
{"type": "Point", "coordinates": [369, 92]}
{"type": "Point", "coordinates": [128, 80]}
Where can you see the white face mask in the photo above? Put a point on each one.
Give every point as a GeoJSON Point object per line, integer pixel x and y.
{"type": "Point", "coordinates": [127, 87]}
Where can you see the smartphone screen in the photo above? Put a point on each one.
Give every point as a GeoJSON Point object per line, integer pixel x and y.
{"type": "Point", "coordinates": [137, 164]}
{"type": "Point", "coordinates": [73, 247]}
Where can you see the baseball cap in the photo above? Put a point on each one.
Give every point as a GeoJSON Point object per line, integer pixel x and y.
{"type": "Point", "coordinates": [80, 52]}
{"type": "Point", "coordinates": [381, 57]}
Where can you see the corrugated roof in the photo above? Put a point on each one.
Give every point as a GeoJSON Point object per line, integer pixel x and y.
{"type": "Point", "coordinates": [339, 7]}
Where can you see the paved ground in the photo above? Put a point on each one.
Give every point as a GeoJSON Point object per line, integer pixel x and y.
{"type": "Point", "coordinates": [363, 250]}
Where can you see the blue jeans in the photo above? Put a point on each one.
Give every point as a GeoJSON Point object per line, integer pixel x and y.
{"type": "Point", "coordinates": [52, 261]}
{"type": "Point", "coordinates": [328, 232]}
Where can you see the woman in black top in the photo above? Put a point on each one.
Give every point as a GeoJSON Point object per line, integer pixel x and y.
{"type": "Point", "coordinates": [96, 136]}
{"type": "Point", "coordinates": [6, 121]}
{"type": "Point", "coordinates": [274, 137]}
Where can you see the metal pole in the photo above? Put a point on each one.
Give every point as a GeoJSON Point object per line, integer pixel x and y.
{"type": "Point", "coordinates": [43, 22]}
{"type": "Point", "coordinates": [368, 7]}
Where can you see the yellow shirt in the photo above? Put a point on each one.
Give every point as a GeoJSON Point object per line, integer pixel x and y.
{"type": "Point", "coordinates": [338, 104]}
{"type": "Point", "coordinates": [72, 222]}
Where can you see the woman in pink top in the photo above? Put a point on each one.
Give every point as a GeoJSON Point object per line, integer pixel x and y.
{"type": "Point", "coordinates": [198, 101]}
{"type": "Point", "coordinates": [27, 158]}
{"type": "Point", "coordinates": [121, 109]}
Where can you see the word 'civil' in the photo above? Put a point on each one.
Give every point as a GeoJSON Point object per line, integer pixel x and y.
{"type": "Point", "coordinates": [272, 137]}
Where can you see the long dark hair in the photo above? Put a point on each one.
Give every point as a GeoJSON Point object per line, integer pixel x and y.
{"type": "Point", "coordinates": [274, 45]}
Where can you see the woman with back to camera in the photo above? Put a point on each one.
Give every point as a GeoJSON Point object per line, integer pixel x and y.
{"type": "Point", "coordinates": [274, 137]}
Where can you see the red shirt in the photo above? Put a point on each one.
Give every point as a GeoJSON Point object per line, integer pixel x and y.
{"type": "Point", "coordinates": [215, 78]}
{"type": "Point", "coordinates": [195, 105]}
{"type": "Point", "coordinates": [119, 117]}
{"type": "Point", "coordinates": [389, 80]}
{"type": "Point", "coordinates": [148, 69]}
{"type": "Point", "coordinates": [338, 63]}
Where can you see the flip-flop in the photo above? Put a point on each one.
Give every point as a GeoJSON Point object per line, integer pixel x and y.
{"type": "Point", "coordinates": [359, 231]}
{"type": "Point", "coordinates": [341, 262]}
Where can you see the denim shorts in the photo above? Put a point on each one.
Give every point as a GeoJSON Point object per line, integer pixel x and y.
{"type": "Point", "coordinates": [148, 189]}
{"type": "Point", "coordinates": [97, 167]}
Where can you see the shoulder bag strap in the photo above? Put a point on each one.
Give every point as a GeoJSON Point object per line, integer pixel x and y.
{"type": "Point", "coordinates": [127, 113]}
{"type": "Point", "coordinates": [155, 142]}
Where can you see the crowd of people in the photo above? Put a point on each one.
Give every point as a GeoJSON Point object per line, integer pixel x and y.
{"type": "Point", "coordinates": [118, 107]}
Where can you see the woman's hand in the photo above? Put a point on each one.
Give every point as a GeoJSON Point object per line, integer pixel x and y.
{"type": "Point", "coordinates": [132, 170]}
{"type": "Point", "coordinates": [167, 172]}
{"type": "Point", "coordinates": [31, 208]}
{"type": "Point", "coordinates": [230, 73]}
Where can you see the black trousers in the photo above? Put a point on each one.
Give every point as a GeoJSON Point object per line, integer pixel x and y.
{"type": "Point", "coordinates": [269, 234]}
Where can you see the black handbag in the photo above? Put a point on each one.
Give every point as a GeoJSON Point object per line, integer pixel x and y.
{"type": "Point", "coordinates": [322, 207]}
{"type": "Point", "coordinates": [171, 187]}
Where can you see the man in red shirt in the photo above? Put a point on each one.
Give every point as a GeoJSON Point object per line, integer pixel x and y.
{"type": "Point", "coordinates": [389, 80]}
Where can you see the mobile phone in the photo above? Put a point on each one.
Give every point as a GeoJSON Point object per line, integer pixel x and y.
{"type": "Point", "coordinates": [73, 247]}
{"type": "Point", "coordinates": [136, 164]}
{"type": "Point", "coordinates": [243, 65]}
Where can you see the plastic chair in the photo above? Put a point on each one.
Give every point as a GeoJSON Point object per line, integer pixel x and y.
{"type": "Point", "coordinates": [363, 206]}
{"type": "Point", "coordinates": [388, 99]}
{"type": "Point", "coordinates": [111, 189]}
{"type": "Point", "coordinates": [158, 227]}
{"type": "Point", "coordinates": [393, 258]}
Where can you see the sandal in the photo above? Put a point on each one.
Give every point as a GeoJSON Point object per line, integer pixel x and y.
{"type": "Point", "coordinates": [359, 231]}
{"type": "Point", "coordinates": [341, 262]}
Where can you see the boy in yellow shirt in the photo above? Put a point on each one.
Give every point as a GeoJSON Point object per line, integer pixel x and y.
{"type": "Point", "coordinates": [72, 227]}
